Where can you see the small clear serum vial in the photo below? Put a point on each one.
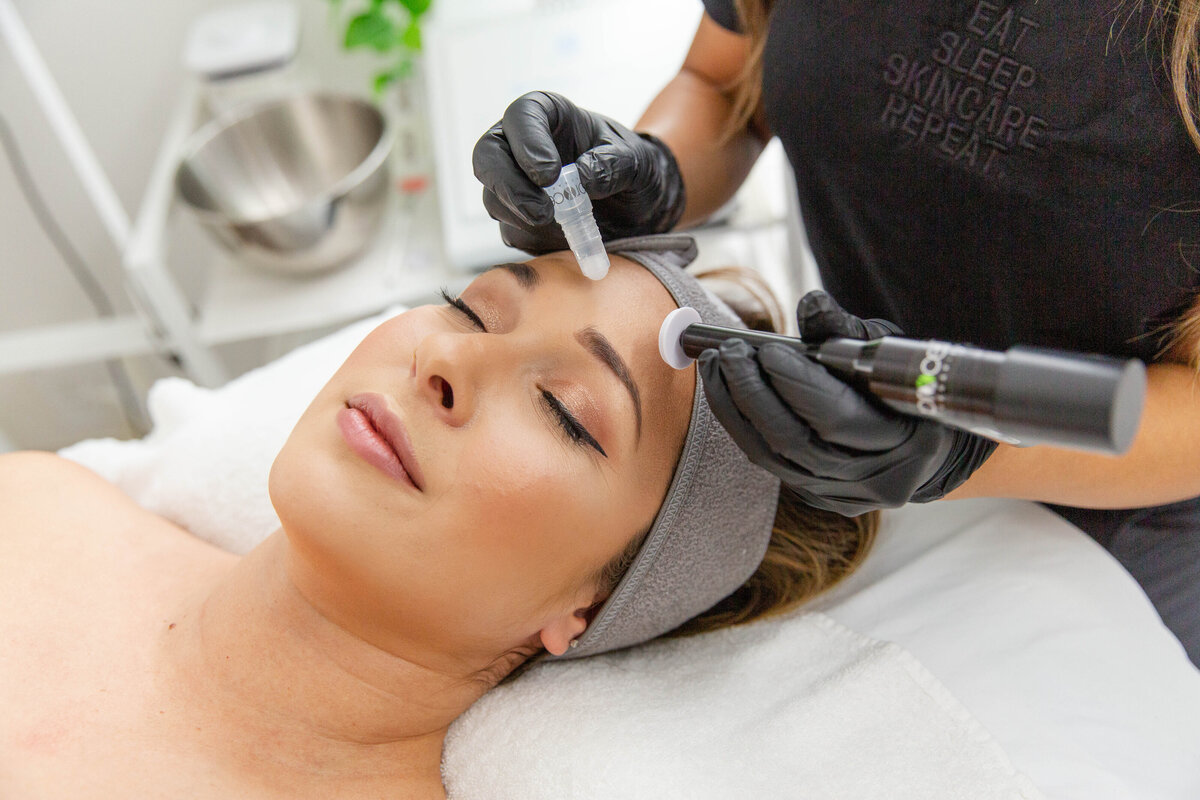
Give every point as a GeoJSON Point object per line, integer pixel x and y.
{"type": "Point", "coordinates": [573, 212]}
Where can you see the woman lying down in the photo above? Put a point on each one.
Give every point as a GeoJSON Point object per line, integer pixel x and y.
{"type": "Point", "coordinates": [513, 475]}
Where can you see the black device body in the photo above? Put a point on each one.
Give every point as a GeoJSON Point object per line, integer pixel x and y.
{"type": "Point", "coordinates": [1022, 396]}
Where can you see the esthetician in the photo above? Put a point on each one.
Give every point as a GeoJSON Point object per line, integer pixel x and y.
{"type": "Point", "coordinates": [986, 172]}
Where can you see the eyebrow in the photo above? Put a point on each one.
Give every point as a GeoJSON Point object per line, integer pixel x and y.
{"type": "Point", "coordinates": [593, 340]}
{"type": "Point", "coordinates": [598, 345]}
{"type": "Point", "coordinates": [526, 275]}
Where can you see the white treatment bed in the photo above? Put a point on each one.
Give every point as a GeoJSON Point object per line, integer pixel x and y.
{"type": "Point", "coordinates": [986, 649]}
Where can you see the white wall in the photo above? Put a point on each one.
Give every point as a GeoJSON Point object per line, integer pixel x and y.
{"type": "Point", "coordinates": [118, 65]}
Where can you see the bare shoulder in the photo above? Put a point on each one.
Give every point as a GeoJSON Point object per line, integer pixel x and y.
{"type": "Point", "coordinates": [41, 493]}
{"type": "Point", "coordinates": [42, 473]}
{"type": "Point", "coordinates": [51, 507]}
{"type": "Point", "coordinates": [74, 548]}
{"type": "Point", "coordinates": [14, 465]}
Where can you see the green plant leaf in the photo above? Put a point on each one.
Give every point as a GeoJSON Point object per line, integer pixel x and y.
{"type": "Point", "coordinates": [416, 7]}
{"type": "Point", "coordinates": [371, 29]}
{"type": "Point", "coordinates": [381, 82]}
{"type": "Point", "coordinates": [399, 71]}
{"type": "Point", "coordinates": [411, 38]}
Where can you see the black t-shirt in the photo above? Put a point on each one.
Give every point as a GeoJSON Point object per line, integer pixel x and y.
{"type": "Point", "coordinates": [988, 172]}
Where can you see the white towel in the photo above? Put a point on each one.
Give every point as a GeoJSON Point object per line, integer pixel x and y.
{"type": "Point", "coordinates": [799, 707]}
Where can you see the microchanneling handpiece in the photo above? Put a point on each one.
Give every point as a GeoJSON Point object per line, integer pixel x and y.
{"type": "Point", "coordinates": [1022, 396]}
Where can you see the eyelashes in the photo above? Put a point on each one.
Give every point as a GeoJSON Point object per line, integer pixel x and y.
{"type": "Point", "coordinates": [457, 302]}
{"type": "Point", "coordinates": [570, 426]}
{"type": "Point", "coordinates": [575, 431]}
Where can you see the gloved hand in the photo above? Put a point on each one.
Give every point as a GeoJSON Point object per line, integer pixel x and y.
{"type": "Point", "coordinates": [835, 447]}
{"type": "Point", "coordinates": [632, 178]}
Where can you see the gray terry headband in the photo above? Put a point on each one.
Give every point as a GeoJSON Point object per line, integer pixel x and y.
{"type": "Point", "coordinates": [715, 523]}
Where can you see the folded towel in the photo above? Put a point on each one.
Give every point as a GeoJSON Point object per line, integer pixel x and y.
{"type": "Point", "coordinates": [796, 707]}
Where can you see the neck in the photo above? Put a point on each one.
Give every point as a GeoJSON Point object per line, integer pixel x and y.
{"type": "Point", "coordinates": [251, 661]}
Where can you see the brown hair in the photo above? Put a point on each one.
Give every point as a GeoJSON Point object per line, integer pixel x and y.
{"type": "Point", "coordinates": [746, 89]}
{"type": "Point", "coordinates": [1181, 339]}
{"type": "Point", "coordinates": [1183, 57]}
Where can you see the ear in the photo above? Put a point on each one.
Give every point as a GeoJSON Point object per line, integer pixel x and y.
{"type": "Point", "coordinates": [557, 634]}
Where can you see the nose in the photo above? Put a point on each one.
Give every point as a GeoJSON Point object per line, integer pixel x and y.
{"type": "Point", "coordinates": [452, 369]}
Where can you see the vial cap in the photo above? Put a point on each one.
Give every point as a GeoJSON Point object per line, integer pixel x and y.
{"type": "Point", "coordinates": [594, 266]}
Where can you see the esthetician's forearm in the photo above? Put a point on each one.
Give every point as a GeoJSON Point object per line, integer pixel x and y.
{"type": "Point", "coordinates": [1162, 465]}
{"type": "Point", "coordinates": [689, 115]}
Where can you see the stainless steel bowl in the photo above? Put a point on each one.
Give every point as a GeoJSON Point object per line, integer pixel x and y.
{"type": "Point", "coordinates": [296, 185]}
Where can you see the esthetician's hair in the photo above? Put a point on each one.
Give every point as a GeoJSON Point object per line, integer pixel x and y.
{"type": "Point", "coordinates": [1181, 52]}
{"type": "Point", "coordinates": [810, 550]}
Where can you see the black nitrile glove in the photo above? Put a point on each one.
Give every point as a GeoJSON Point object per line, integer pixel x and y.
{"type": "Point", "coordinates": [835, 447]}
{"type": "Point", "coordinates": [632, 178]}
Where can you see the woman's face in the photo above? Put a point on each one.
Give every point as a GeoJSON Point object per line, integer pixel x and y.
{"type": "Point", "coordinates": [538, 430]}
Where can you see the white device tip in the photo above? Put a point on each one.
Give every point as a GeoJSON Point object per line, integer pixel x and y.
{"type": "Point", "coordinates": [594, 266]}
{"type": "Point", "coordinates": [668, 336]}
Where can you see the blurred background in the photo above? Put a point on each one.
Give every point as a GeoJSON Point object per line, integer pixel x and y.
{"type": "Point", "coordinates": [109, 280]}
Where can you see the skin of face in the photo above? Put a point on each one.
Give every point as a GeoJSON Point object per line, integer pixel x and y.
{"type": "Point", "coordinates": [495, 551]}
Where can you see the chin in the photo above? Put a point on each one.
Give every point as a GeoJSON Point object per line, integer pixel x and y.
{"type": "Point", "coordinates": [310, 489]}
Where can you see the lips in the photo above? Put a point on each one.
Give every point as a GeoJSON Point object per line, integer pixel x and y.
{"type": "Point", "coordinates": [378, 437]}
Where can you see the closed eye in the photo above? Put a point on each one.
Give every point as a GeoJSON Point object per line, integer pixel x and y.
{"type": "Point", "coordinates": [571, 426]}
{"type": "Point", "coordinates": [464, 309]}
